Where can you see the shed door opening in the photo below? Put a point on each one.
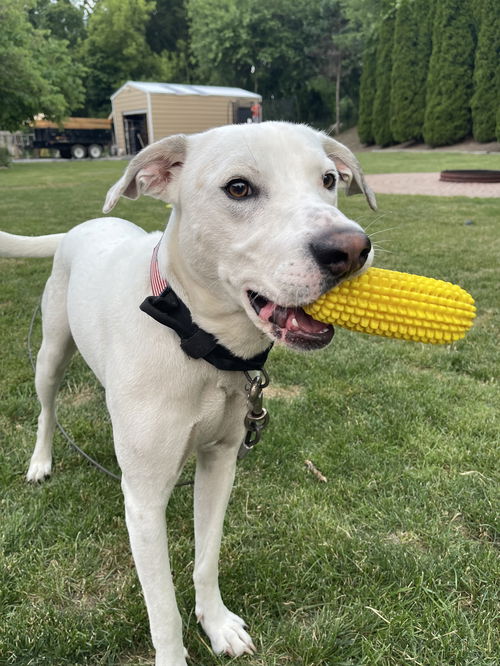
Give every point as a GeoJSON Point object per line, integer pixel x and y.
{"type": "Point", "coordinates": [136, 132]}
{"type": "Point", "coordinates": [242, 114]}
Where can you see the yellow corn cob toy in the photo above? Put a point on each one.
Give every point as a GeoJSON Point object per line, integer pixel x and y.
{"type": "Point", "coordinates": [398, 305]}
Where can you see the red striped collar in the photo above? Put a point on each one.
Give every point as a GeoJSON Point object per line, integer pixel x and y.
{"type": "Point", "coordinates": [158, 283]}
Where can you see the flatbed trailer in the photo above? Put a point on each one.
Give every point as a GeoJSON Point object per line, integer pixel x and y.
{"type": "Point", "coordinates": [75, 137]}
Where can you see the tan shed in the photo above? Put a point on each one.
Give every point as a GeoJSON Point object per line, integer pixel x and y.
{"type": "Point", "coordinates": [144, 112]}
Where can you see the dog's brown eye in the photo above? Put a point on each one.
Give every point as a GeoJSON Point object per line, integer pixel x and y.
{"type": "Point", "coordinates": [329, 180]}
{"type": "Point", "coordinates": [239, 189]}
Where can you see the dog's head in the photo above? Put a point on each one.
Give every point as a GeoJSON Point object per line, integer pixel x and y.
{"type": "Point", "coordinates": [256, 219]}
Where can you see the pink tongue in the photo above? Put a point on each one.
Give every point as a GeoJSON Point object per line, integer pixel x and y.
{"type": "Point", "coordinates": [283, 317]}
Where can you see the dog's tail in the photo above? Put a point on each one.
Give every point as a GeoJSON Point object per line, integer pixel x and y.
{"type": "Point", "coordinates": [28, 246]}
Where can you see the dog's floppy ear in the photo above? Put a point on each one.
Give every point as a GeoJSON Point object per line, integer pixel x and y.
{"type": "Point", "coordinates": [350, 170]}
{"type": "Point", "coordinates": [153, 171]}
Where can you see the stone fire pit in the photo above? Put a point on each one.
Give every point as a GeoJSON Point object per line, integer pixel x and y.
{"type": "Point", "coordinates": [470, 176]}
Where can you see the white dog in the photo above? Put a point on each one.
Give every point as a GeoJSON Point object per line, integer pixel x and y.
{"type": "Point", "coordinates": [254, 235]}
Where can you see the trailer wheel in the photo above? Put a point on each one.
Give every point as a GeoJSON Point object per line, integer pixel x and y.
{"type": "Point", "coordinates": [78, 151]}
{"type": "Point", "coordinates": [95, 151]}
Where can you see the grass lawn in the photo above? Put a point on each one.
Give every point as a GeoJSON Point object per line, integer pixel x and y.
{"type": "Point", "coordinates": [393, 561]}
{"type": "Point", "coordinates": [428, 161]}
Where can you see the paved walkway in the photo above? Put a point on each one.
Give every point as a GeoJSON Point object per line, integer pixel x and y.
{"type": "Point", "coordinates": [428, 183]}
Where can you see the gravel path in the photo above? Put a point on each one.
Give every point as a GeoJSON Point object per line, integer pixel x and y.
{"type": "Point", "coordinates": [428, 183]}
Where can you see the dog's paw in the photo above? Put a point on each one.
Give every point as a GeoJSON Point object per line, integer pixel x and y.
{"type": "Point", "coordinates": [38, 470]}
{"type": "Point", "coordinates": [227, 634]}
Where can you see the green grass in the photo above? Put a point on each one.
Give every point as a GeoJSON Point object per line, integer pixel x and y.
{"type": "Point", "coordinates": [428, 161]}
{"type": "Point", "coordinates": [394, 561]}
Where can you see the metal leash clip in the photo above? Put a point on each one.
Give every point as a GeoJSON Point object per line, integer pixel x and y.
{"type": "Point", "coordinates": [257, 416]}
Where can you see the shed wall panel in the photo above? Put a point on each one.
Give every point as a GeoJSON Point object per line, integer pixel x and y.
{"type": "Point", "coordinates": [129, 100]}
{"type": "Point", "coordinates": [187, 114]}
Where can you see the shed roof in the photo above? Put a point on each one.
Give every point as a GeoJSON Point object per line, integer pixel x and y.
{"type": "Point", "coordinates": [185, 89]}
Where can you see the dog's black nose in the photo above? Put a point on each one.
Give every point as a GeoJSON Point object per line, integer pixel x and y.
{"type": "Point", "coordinates": [341, 252]}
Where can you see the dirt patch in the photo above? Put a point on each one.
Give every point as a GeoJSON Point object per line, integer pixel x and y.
{"type": "Point", "coordinates": [403, 538]}
{"type": "Point", "coordinates": [79, 395]}
{"type": "Point", "coordinates": [428, 184]}
{"type": "Point", "coordinates": [287, 393]}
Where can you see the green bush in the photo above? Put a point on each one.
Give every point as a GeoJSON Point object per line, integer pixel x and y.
{"type": "Point", "coordinates": [449, 85]}
{"type": "Point", "coordinates": [367, 93]}
{"type": "Point", "coordinates": [5, 158]}
{"type": "Point", "coordinates": [381, 121]}
{"type": "Point", "coordinates": [410, 64]}
{"type": "Point", "coordinates": [486, 97]}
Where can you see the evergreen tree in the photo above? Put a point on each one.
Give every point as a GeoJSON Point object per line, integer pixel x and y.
{"type": "Point", "coordinates": [486, 97]}
{"type": "Point", "coordinates": [381, 120]}
{"type": "Point", "coordinates": [367, 92]}
{"type": "Point", "coordinates": [497, 79]}
{"type": "Point", "coordinates": [410, 62]}
{"type": "Point", "coordinates": [449, 84]}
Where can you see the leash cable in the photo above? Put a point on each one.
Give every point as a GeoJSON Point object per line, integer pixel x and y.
{"type": "Point", "coordinates": [63, 432]}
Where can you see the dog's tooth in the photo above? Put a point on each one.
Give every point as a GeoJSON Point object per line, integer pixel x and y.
{"type": "Point", "coordinates": [295, 324]}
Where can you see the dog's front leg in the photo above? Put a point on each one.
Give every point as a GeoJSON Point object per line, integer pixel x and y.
{"type": "Point", "coordinates": [214, 478]}
{"type": "Point", "coordinates": [145, 517]}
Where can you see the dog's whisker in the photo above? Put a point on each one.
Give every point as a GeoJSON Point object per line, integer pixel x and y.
{"type": "Point", "coordinates": [250, 151]}
{"type": "Point", "coordinates": [384, 241]}
{"type": "Point", "coordinates": [361, 219]}
{"type": "Point", "coordinates": [380, 242]}
{"type": "Point", "coordinates": [372, 221]}
{"type": "Point", "coordinates": [381, 231]}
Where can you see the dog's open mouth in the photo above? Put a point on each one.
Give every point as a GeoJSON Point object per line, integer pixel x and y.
{"type": "Point", "coordinates": [291, 325]}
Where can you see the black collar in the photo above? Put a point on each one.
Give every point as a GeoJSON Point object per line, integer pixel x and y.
{"type": "Point", "coordinates": [168, 309]}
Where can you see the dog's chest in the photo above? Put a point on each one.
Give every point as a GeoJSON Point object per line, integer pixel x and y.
{"type": "Point", "coordinates": [219, 412]}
